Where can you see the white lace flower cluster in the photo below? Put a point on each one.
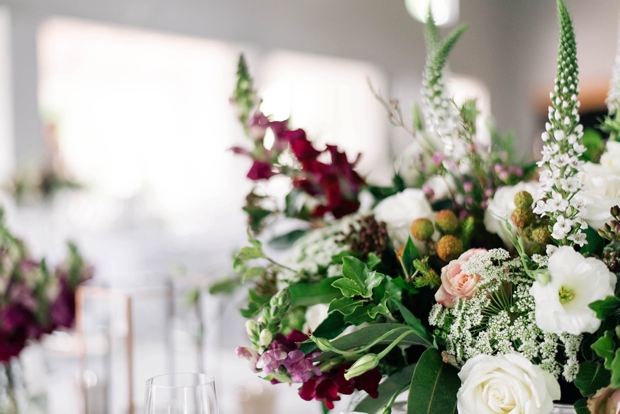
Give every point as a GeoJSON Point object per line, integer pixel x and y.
{"type": "Point", "coordinates": [500, 319]}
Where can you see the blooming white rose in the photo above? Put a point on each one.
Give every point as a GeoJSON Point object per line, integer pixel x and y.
{"type": "Point", "coordinates": [399, 211]}
{"type": "Point", "coordinates": [611, 158]}
{"type": "Point", "coordinates": [576, 281]}
{"type": "Point", "coordinates": [601, 188]}
{"type": "Point", "coordinates": [505, 384]}
{"type": "Point", "coordinates": [501, 207]}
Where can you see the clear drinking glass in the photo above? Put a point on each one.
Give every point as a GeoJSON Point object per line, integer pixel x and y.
{"type": "Point", "coordinates": [181, 394]}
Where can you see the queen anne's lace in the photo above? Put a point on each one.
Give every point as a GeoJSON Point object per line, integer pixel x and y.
{"type": "Point", "coordinates": [500, 319]}
{"type": "Point", "coordinates": [563, 147]}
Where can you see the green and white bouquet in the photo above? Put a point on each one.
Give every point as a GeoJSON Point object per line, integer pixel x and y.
{"type": "Point", "coordinates": [482, 285]}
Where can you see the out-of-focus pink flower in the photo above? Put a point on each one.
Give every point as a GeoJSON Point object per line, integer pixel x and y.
{"type": "Point", "coordinates": [260, 170]}
{"type": "Point", "coordinates": [455, 283]}
{"type": "Point", "coordinates": [605, 401]}
{"type": "Point", "coordinates": [438, 158]}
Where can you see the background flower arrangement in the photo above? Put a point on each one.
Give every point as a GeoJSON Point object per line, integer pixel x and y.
{"type": "Point", "coordinates": [466, 284]}
{"type": "Point", "coordinates": [35, 300]}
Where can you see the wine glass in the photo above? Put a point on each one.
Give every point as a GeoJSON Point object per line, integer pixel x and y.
{"type": "Point", "coordinates": [181, 394]}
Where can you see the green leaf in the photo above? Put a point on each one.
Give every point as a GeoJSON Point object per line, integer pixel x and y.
{"type": "Point", "coordinates": [380, 309]}
{"type": "Point", "coordinates": [387, 389]}
{"type": "Point", "coordinates": [253, 272]}
{"type": "Point", "coordinates": [345, 306]}
{"type": "Point", "coordinates": [581, 406]}
{"type": "Point", "coordinates": [594, 144]}
{"type": "Point", "coordinates": [373, 261]}
{"type": "Point", "coordinates": [355, 271]}
{"type": "Point", "coordinates": [434, 385]}
{"type": "Point", "coordinates": [606, 307]}
{"type": "Point", "coordinates": [595, 244]}
{"type": "Point", "coordinates": [348, 287]}
{"type": "Point", "coordinates": [370, 333]}
{"type": "Point", "coordinates": [246, 254]}
{"type": "Point", "coordinates": [256, 302]}
{"type": "Point", "coordinates": [226, 286]}
{"type": "Point", "coordinates": [257, 215]}
{"type": "Point", "coordinates": [361, 315]}
{"type": "Point", "coordinates": [412, 321]}
{"type": "Point", "coordinates": [410, 253]}
{"type": "Point", "coordinates": [308, 294]}
{"type": "Point", "coordinates": [285, 241]}
{"type": "Point", "coordinates": [373, 279]}
{"type": "Point", "coordinates": [330, 328]}
{"type": "Point", "coordinates": [337, 258]}
{"type": "Point", "coordinates": [604, 347]}
{"type": "Point", "coordinates": [615, 370]}
{"type": "Point", "coordinates": [400, 282]}
{"type": "Point", "coordinates": [591, 378]}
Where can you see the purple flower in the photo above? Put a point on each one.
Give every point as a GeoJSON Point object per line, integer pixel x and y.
{"type": "Point", "coordinates": [248, 353]}
{"type": "Point", "coordinates": [300, 366]}
{"type": "Point", "coordinates": [438, 158]}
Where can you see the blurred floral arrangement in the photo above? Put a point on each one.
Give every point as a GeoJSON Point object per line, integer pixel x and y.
{"type": "Point", "coordinates": [470, 284]}
{"type": "Point", "coordinates": [34, 300]}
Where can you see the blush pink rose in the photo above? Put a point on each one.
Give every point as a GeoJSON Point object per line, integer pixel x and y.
{"type": "Point", "coordinates": [456, 284]}
{"type": "Point", "coordinates": [605, 401]}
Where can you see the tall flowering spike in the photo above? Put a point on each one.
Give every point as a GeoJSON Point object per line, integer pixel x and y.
{"type": "Point", "coordinates": [563, 147]}
{"type": "Point", "coordinates": [613, 97]}
{"type": "Point", "coordinates": [442, 118]}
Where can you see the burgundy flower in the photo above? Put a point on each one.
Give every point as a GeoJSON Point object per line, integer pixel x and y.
{"type": "Point", "coordinates": [260, 171]}
{"type": "Point", "coordinates": [329, 386]}
{"type": "Point", "coordinates": [62, 312]}
{"type": "Point", "coordinates": [11, 344]}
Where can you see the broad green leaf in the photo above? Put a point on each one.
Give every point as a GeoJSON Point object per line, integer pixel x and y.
{"type": "Point", "coordinates": [226, 286]}
{"type": "Point", "coordinates": [615, 370]}
{"type": "Point", "coordinates": [581, 406]}
{"type": "Point", "coordinates": [412, 321]}
{"type": "Point", "coordinates": [604, 347]}
{"type": "Point", "coordinates": [373, 279]}
{"type": "Point", "coordinates": [373, 261]}
{"type": "Point", "coordinates": [348, 287]}
{"type": "Point", "coordinates": [256, 302]}
{"type": "Point", "coordinates": [355, 271]}
{"type": "Point", "coordinates": [380, 309]}
{"type": "Point", "coordinates": [252, 272]}
{"type": "Point", "coordinates": [595, 243]}
{"type": "Point", "coordinates": [368, 334]}
{"type": "Point", "coordinates": [346, 306]}
{"type": "Point", "coordinates": [337, 258]}
{"type": "Point", "coordinates": [308, 294]}
{"type": "Point", "coordinates": [360, 315]}
{"type": "Point", "coordinates": [257, 215]}
{"type": "Point", "coordinates": [387, 389]}
{"type": "Point", "coordinates": [605, 307]}
{"type": "Point", "coordinates": [591, 378]}
{"type": "Point", "coordinates": [285, 241]}
{"type": "Point", "coordinates": [434, 385]}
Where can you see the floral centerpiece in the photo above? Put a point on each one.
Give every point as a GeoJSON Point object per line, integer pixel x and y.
{"type": "Point", "coordinates": [474, 284]}
{"type": "Point", "coordinates": [35, 300]}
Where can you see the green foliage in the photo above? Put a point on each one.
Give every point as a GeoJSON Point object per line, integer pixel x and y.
{"type": "Point", "coordinates": [591, 377]}
{"type": "Point", "coordinates": [581, 406]}
{"type": "Point", "coordinates": [309, 294]}
{"type": "Point", "coordinates": [286, 240]}
{"type": "Point", "coordinates": [370, 333]}
{"type": "Point", "coordinates": [411, 320]}
{"type": "Point", "coordinates": [594, 144]}
{"type": "Point", "coordinates": [612, 127]}
{"type": "Point", "coordinates": [443, 48]}
{"type": "Point", "coordinates": [226, 286]}
{"type": "Point", "coordinates": [244, 94]}
{"type": "Point", "coordinates": [381, 193]}
{"type": "Point", "coordinates": [606, 307]}
{"type": "Point", "coordinates": [595, 244]}
{"type": "Point", "coordinates": [395, 383]}
{"type": "Point", "coordinates": [256, 216]}
{"type": "Point", "coordinates": [255, 251]}
{"type": "Point", "coordinates": [256, 303]}
{"type": "Point", "coordinates": [434, 385]}
{"type": "Point", "coordinates": [410, 253]}
{"type": "Point", "coordinates": [424, 275]}
{"type": "Point", "coordinates": [604, 348]}
{"type": "Point", "coordinates": [357, 280]}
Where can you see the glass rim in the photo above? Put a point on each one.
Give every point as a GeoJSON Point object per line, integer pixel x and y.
{"type": "Point", "coordinates": [203, 379]}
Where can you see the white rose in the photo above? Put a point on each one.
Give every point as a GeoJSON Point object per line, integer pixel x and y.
{"type": "Point", "coordinates": [441, 187]}
{"type": "Point", "coordinates": [601, 189]}
{"type": "Point", "coordinates": [315, 315]}
{"type": "Point", "coordinates": [576, 281]}
{"type": "Point", "coordinates": [399, 211]}
{"type": "Point", "coordinates": [611, 158]}
{"type": "Point", "coordinates": [505, 384]}
{"type": "Point", "coordinates": [501, 207]}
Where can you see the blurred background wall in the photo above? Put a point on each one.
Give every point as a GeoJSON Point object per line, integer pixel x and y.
{"type": "Point", "coordinates": [130, 98]}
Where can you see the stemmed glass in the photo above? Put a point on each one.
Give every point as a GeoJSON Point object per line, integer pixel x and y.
{"type": "Point", "coordinates": [181, 394]}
